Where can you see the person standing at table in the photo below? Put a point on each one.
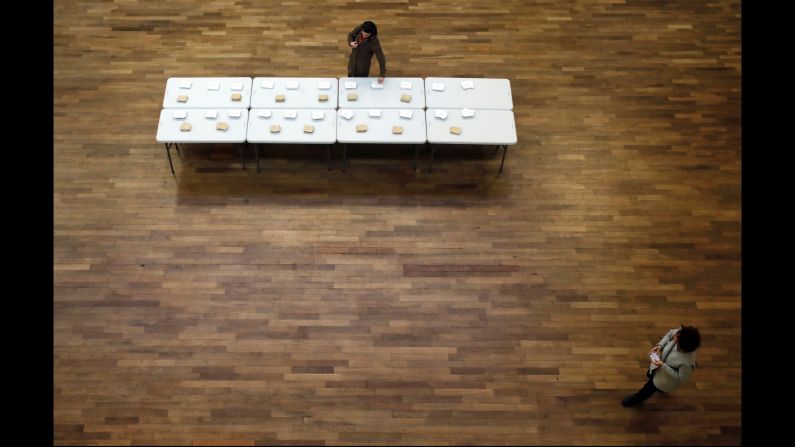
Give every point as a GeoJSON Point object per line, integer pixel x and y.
{"type": "Point", "coordinates": [363, 41]}
{"type": "Point", "coordinates": [673, 364]}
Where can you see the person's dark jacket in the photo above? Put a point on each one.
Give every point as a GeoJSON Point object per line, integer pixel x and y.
{"type": "Point", "coordinates": [359, 63]}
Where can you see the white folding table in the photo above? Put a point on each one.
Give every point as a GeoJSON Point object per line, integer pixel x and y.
{"type": "Point", "coordinates": [292, 129]}
{"type": "Point", "coordinates": [206, 93]}
{"type": "Point", "coordinates": [203, 129]}
{"type": "Point", "coordinates": [387, 97]}
{"type": "Point", "coordinates": [379, 129]}
{"type": "Point", "coordinates": [484, 94]}
{"type": "Point", "coordinates": [299, 93]}
{"type": "Point", "coordinates": [486, 127]}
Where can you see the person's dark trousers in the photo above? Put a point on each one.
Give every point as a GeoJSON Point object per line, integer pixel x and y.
{"type": "Point", "coordinates": [643, 393]}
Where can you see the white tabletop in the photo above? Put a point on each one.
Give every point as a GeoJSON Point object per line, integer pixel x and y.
{"type": "Point", "coordinates": [379, 130]}
{"type": "Point", "coordinates": [486, 94]}
{"type": "Point", "coordinates": [292, 129]}
{"type": "Point", "coordinates": [385, 98]}
{"type": "Point", "coordinates": [200, 97]}
{"type": "Point", "coordinates": [486, 127]}
{"type": "Point", "coordinates": [263, 94]}
{"type": "Point", "coordinates": [202, 128]}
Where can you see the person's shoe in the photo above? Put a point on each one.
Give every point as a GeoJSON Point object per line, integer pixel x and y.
{"type": "Point", "coordinates": [627, 401]}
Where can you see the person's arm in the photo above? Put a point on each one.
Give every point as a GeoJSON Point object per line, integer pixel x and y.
{"type": "Point", "coordinates": [679, 374]}
{"type": "Point", "coordinates": [667, 337]}
{"type": "Point", "coordinates": [379, 53]}
{"type": "Point", "coordinates": [352, 35]}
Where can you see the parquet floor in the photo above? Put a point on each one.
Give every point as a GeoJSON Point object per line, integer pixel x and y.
{"type": "Point", "coordinates": [383, 306]}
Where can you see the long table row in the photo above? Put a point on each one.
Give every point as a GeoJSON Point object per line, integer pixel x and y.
{"type": "Point", "coordinates": [331, 93]}
{"type": "Point", "coordinates": [324, 126]}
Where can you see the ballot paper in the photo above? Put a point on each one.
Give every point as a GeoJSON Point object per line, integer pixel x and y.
{"type": "Point", "coordinates": [467, 113]}
{"type": "Point", "coordinates": [438, 86]}
{"type": "Point", "coordinates": [292, 85]}
{"type": "Point", "coordinates": [215, 85]}
{"type": "Point", "coordinates": [406, 114]}
{"type": "Point", "coordinates": [180, 114]}
{"type": "Point", "coordinates": [375, 113]}
{"type": "Point", "coordinates": [267, 84]}
{"type": "Point", "coordinates": [466, 85]}
{"type": "Point", "coordinates": [350, 84]}
{"type": "Point", "coordinates": [441, 114]}
{"type": "Point", "coordinates": [318, 115]}
{"type": "Point", "coordinates": [405, 85]}
{"type": "Point", "coordinates": [375, 84]}
{"type": "Point", "coordinates": [265, 113]}
{"type": "Point", "coordinates": [211, 114]}
{"type": "Point", "coordinates": [324, 85]}
{"type": "Point", "coordinates": [185, 84]}
{"type": "Point", "coordinates": [234, 113]}
{"type": "Point", "coordinates": [236, 86]}
{"type": "Point", "coordinates": [347, 114]}
{"type": "Point", "coordinates": [289, 114]}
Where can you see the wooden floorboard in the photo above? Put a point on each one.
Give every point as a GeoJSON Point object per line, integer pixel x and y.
{"type": "Point", "coordinates": [386, 306]}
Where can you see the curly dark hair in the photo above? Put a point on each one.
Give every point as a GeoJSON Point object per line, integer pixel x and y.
{"type": "Point", "coordinates": [689, 338]}
{"type": "Point", "coordinates": [370, 28]}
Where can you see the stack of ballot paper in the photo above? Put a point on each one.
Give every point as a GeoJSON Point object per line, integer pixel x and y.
{"type": "Point", "coordinates": [406, 113]}
{"type": "Point", "coordinates": [441, 114]}
{"type": "Point", "coordinates": [185, 84]}
{"type": "Point", "coordinates": [323, 85]}
{"type": "Point", "coordinates": [267, 84]}
{"type": "Point", "coordinates": [438, 86]}
{"type": "Point", "coordinates": [405, 85]}
{"type": "Point", "coordinates": [375, 84]}
{"type": "Point", "coordinates": [289, 114]}
{"type": "Point", "coordinates": [265, 113]}
{"type": "Point", "coordinates": [234, 113]}
{"type": "Point", "coordinates": [467, 113]}
{"type": "Point", "coordinates": [318, 115]}
{"type": "Point", "coordinates": [292, 85]}
{"type": "Point", "coordinates": [350, 84]}
{"type": "Point", "coordinates": [213, 85]}
{"type": "Point", "coordinates": [236, 86]}
{"type": "Point", "coordinates": [375, 113]}
{"type": "Point", "coordinates": [466, 85]}
{"type": "Point", "coordinates": [211, 114]}
{"type": "Point", "coordinates": [180, 114]}
{"type": "Point", "coordinates": [347, 114]}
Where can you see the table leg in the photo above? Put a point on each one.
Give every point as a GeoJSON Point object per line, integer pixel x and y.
{"type": "Point", "coordinates": [504, 151]}
{"type": "Point", "coordinates": [168, 152]}
{"type": "Point", "coordinates": [242, 155]}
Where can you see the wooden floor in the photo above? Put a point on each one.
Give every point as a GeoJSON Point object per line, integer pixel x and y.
{"type": "Point", "coordinates": [387, 306]}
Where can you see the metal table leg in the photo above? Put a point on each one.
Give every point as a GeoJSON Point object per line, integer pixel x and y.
{"type": "Point", "coordinates": [168, 152]}
{"type": "Point", "coordinates": [504, 151]}
{"type": "Point", "coordinates": [242, 156]}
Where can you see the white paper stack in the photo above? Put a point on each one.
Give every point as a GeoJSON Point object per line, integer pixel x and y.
{"type": "Point", "coordinates": [405, 85]}
{"type": "Point", "coordinates": [211, 114]}
{"type": "Point", "coordinates": [324, 85]}
{"type": "Point", "coordinates": [292, 85]}
{"type": "Point", "coordinates": [265, 113]}
{"type": "Point", "coordinates": [438, 86]}
{"type": "Point", "coordinates": [318, 114]}
{"type": "Point", "coordinates": [350, 84]}
{"type": "Point", "coordinates": [406, 114]}
{"type": "Point", "coordinates": [467, 113]}
{"type": "Point", "coordinates": [347, 114]}
{"type": "Point", "coordinates": [234, 113]}
{"type": "Point", "coordinates": [185, 84]}
{"type": "Point", "coordinates": [214, 85]}
{"type": "Point", "coordinates": [375, 113]}
{"type": "Point", "coordinates": [289, 114]}
{"type": "Point", "coordinates": [180, 114]}
{"type": "Point", "coordinates": [466, 85]}
{"type": "Point", "coordinates": [441, 114]}
{"type": "Point", "coordinates": [236, 86]}
{"type": "Point", "coordinates": [375, 84]}
{"type": "Point", "coordinates": [267, 84]}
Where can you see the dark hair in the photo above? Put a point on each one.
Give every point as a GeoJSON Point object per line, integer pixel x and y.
{"type": "Point", "coordinates": [689, 339]}
{"type": "Point", "coordinates": [370, 28]}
